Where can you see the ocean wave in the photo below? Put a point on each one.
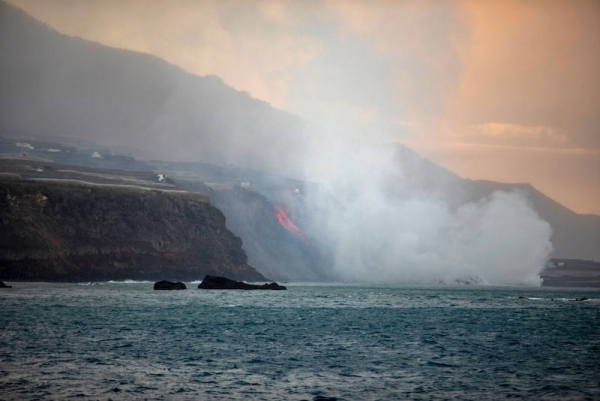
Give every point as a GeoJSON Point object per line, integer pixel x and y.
{"type": "Point", "coordinates": [312, 343]}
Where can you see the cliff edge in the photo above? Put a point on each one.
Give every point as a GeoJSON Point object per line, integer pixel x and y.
{"type": "Point", "coordinates": [75, 232]}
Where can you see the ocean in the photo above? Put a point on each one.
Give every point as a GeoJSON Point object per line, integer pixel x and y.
{"type": "Point", "coordinates": [124, 341]}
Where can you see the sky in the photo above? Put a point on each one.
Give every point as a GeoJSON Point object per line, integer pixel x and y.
{"type": "Point", "coordinates": [505, 90]}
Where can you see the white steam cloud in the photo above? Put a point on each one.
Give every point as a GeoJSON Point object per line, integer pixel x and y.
{"type": "Point", "coordinates": [383, 229]}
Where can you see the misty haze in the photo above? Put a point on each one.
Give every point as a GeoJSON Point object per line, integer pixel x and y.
{"type": "Point", "coordinates": [423, 182]}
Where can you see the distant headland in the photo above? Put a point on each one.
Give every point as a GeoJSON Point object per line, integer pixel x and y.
{"type": "Point", "coordinates": [571, 273]}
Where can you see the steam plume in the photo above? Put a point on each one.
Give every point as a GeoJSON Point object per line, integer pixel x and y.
{"type": "Point", "coordinates": [382, 228]}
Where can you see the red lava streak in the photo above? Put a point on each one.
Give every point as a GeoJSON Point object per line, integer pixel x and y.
{"type": "Point", "coordinates": [283, 218]}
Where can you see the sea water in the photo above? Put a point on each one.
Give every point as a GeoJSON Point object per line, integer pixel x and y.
{"type": "Point", "coordinates": [311, 342]}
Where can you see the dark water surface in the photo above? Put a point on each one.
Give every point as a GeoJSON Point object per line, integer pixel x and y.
{"type": "Point", "coordinates": [126, 341]}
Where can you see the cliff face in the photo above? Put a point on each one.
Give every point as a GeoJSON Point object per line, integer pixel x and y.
{"type": "Point", "coordinates": [60, 232]}
{"type": "Point", "coordinates": [278, 253]}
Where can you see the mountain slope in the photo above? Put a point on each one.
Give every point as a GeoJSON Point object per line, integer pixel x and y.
{"type": "Point", "coordinates": [53, 86]}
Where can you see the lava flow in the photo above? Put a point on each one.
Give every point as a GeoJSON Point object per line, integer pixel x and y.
{"type": "Point", "coordinates": [283, 218]}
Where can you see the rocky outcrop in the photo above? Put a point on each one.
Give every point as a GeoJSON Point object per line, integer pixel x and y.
{"type": "Point", "coordinates": [2, 285]}
{"type": "Point", "coordinates": [76, 232]}
{"type": "Point", "coordinates": [222, 283]}
{"type": "Point", "coordinates": [169, 285]}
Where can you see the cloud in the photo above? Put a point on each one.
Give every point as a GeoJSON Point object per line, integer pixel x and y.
{"type": "Point", "coordinates": [383, 230]}
{"type": "Point", "coordinates": [421, 37]}
{"type": "Point", "coordinates": [529, 63]}
{"type": "Point", "coordinates": [360, 67]}
{"type": "Point", "coordinates": [496, 74]}
{"type": "Point", "coordinates": [249, 45]}
{"type": "Point", "coordinates": [539, 133]}
{"type": "Point", "coordinates": [503, 135]}
{"type": "Point", "coordinates": [276, 10]}
{"type": "Point", "coordinates": [528, 90]}
{"type": "Point", "coordinates": [564, 151]}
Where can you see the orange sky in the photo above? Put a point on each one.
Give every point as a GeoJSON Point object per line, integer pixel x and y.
{"type": "Point", "coordinates": [500, 90]}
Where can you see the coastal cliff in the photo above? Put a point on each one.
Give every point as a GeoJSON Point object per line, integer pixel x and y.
{"type": "Point", "coordinates": [74, 232]}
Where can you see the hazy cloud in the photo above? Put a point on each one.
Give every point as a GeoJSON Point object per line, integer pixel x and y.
{"type": "Point", "coordinates": [383, 229]}
{"type": "Point", "coordinates": [366, 74]}
{"type": "Point", "coordinates": [458, 71]}
{"type": "Point", "coordinates": [498, 130]}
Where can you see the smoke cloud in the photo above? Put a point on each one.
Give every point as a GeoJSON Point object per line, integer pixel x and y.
{"type": "Point", "coordinates": [382, 228]}
{"type": "Point", "coordinates": [382, 221]}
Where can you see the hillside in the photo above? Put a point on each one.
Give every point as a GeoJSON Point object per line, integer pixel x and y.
{"type": "Point", "coordinates": [275, 252]}
{"type": "Point", "coordinates": [73, 231]}
{"type": "Point", "coordinates": [69, 90]}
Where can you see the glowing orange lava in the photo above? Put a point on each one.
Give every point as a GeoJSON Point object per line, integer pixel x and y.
{"type": "Point", "coordinates": [283, 218]}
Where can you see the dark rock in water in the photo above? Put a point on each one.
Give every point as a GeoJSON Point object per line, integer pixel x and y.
{"type": "Point", "coordinates": [169, 285]}
{"type": "Point", "coordinates": [581, 299]}
{"type": "Point", "coordinates": [222, 283]}
{"type": "Point", "coordinates": [2, 285]}
{"type": "Point", "coordinates": [323, 398]}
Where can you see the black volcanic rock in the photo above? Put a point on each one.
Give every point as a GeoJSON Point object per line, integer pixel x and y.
{"type": "Point", "coordinates": [2, 285]}
{"type": "Point", "coordinates": [169, 285]}
{"type": "Point", "coordinates": [222, 283]}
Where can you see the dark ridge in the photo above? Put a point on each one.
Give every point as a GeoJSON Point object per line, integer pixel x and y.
{"type": "Point", "coordinates": [74, 232]}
